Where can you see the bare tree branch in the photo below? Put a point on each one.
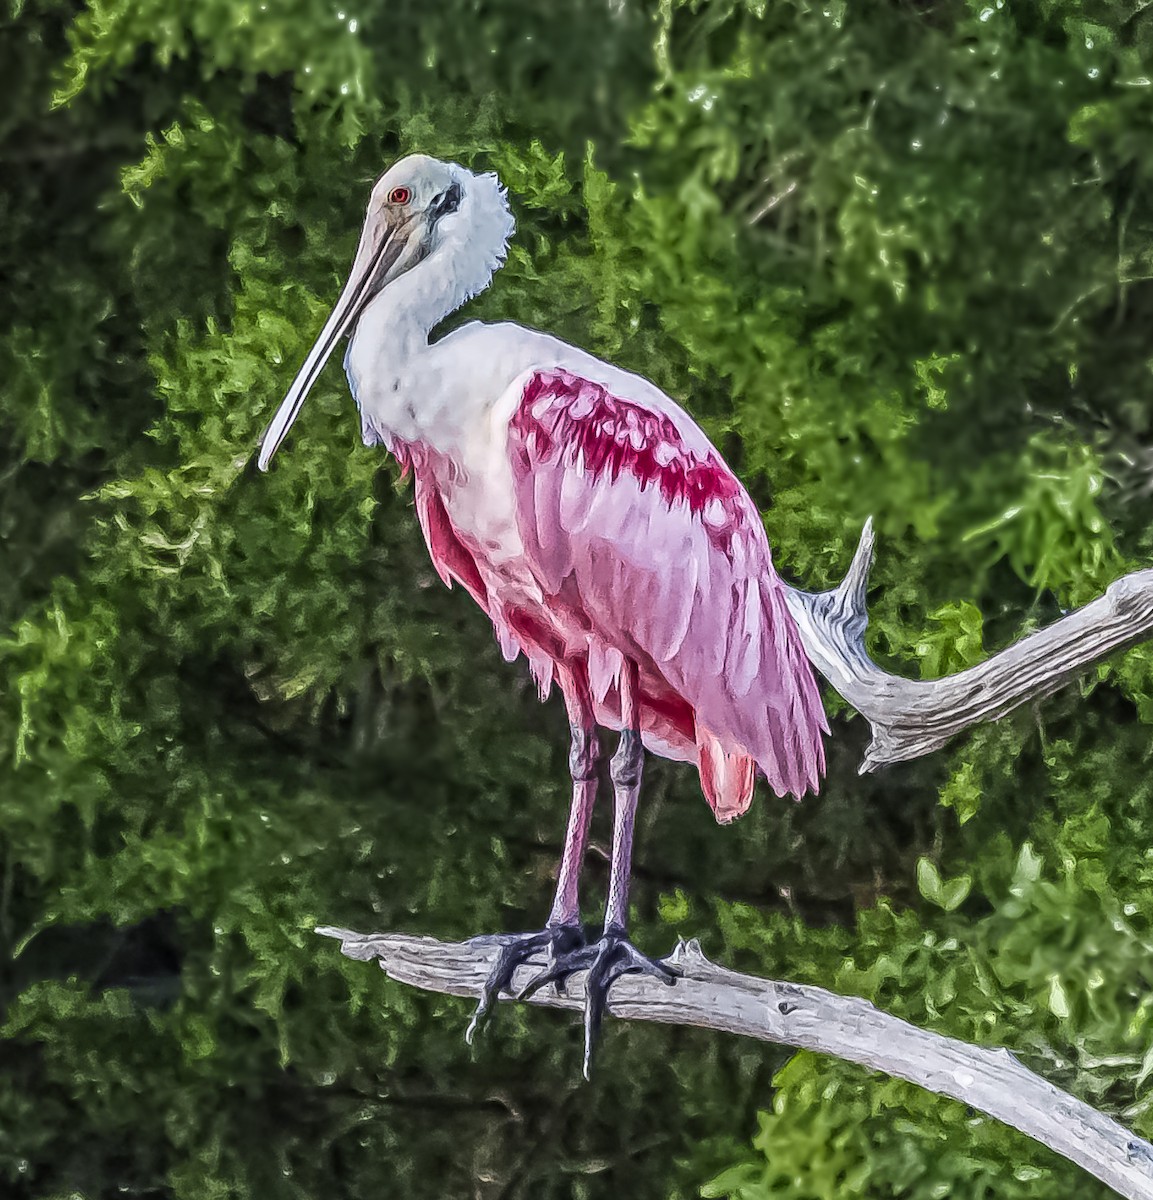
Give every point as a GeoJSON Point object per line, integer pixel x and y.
{"type": "Point", "coordinates": [711, 997]}
{"type": "Point", "coordinates": [912, 717]}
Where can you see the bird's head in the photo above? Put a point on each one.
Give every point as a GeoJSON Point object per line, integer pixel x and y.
{"type": "Point", "coordinates": [418, 206]}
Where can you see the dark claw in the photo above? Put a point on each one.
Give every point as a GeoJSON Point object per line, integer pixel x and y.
{"type": "Point", "coordinates": [606, 961]}
{"type": "Point", "coordinates": [515, 950]}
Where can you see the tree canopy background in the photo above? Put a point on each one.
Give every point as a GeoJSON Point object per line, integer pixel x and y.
{"type": "Point", "coordinates": [897, 256]}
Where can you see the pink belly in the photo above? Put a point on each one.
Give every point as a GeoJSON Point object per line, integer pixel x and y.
{"type": "Point", "coordinates": [552, 630]}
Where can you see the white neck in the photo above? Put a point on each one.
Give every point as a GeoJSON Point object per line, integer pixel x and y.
{"type": "Point", "coordinates": [383, 359]}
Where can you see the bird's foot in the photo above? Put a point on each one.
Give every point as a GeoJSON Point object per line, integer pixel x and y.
{"type": "Point", "coordinates": [516, 949]}
{"type": "Point", "coordinates": [606, 961]}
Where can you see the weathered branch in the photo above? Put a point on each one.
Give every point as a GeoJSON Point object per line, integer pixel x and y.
{"type": "Point", "coordinates": [993, 1081]}
{"type": "Point", "coordinates": [912, 717]}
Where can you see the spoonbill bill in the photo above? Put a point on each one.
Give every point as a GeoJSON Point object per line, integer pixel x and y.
{"type": "Point", "coordinates": [595, 524]}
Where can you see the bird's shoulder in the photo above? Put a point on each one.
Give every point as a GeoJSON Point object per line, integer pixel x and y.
{"type": "Point", "coordinates": [528, 362]}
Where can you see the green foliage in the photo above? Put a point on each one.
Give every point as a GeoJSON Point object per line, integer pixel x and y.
{"type": "Point", "coordinates": [896, 258]}
{"type": "Point", "coordinates": [1053, 968]}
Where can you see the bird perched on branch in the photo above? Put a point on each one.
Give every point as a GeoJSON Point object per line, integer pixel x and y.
{"type": "Point", "coordinates": [594, 523]}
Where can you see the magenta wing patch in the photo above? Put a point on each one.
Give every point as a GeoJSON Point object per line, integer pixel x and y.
{"type": "Point", "coordinates": [578, 422]}
{"type": "Point", "coordinates": [652, 549]}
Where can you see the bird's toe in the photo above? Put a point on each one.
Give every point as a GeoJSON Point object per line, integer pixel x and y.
{"type": "Point", "coordinates": [517, 949]}
{"type": "Point", "coordinates": [613, 956]}
{"type": "Point", "coordinates": [559, 970]}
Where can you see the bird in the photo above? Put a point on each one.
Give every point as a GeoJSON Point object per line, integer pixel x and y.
{"type": "Point", "coordinates": [595, 524]}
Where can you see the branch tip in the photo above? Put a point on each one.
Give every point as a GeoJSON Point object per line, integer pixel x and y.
{"type": "Point", "coordinates": [852, 590]}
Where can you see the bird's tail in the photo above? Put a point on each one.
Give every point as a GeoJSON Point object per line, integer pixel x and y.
{"type": "Point", "coordinates": [727, 777]}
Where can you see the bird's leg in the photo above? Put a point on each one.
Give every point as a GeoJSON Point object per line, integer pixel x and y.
{"type": "Point", "coordinates": [627, 766]}
{"type": "Point", "coordinates": [613, 955]}
{"type": "Point", "coordinates": [583, 761]}
{"type": "Point", "coordinates": [563, 933]}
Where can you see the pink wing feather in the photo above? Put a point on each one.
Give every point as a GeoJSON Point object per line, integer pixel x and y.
{"type": "Point", "coordinates": [647, 546]}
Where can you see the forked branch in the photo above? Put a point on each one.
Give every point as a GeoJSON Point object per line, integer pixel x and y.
{"type": "Point", "coordinates": [912, 717]}
{"type": "Point", "coordinates": [993, 1081]}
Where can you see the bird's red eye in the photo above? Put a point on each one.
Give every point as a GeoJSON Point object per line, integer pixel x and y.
{"type": "Point", "coordinates": [400, 195]}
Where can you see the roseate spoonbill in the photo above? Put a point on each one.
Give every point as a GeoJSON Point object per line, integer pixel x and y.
{"type": "Point", "coordinates": [594, 523]}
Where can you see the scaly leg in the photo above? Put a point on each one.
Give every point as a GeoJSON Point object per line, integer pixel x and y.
{"type": "Point", "coordinates": [563, 933]}
{"type": "Point", "coordinates": [613, 955]}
